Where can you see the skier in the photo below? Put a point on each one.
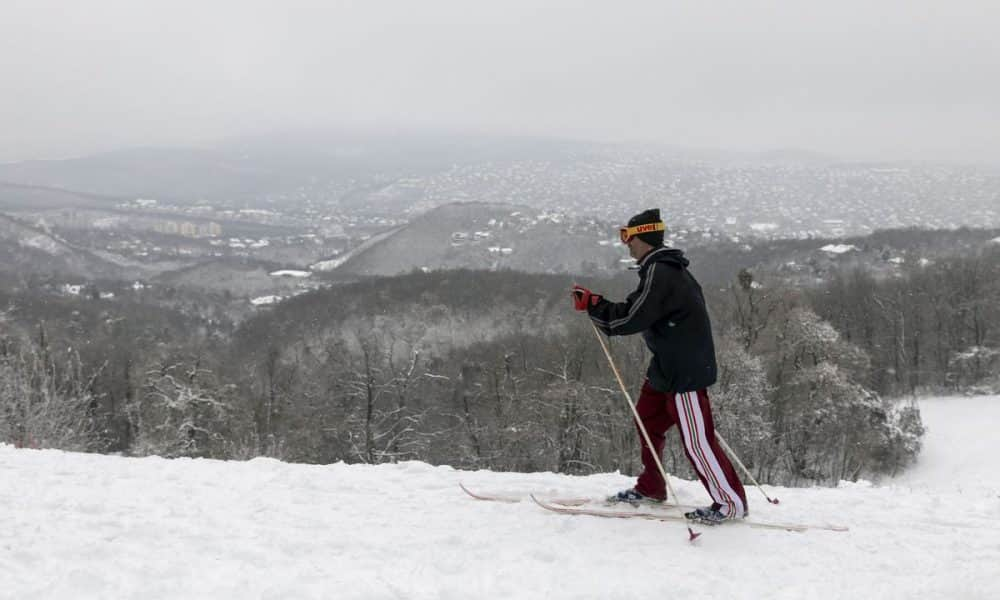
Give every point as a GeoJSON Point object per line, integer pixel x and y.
{"type": "Point", "coordinates": [668, 308]}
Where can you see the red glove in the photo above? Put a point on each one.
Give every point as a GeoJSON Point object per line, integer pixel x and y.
{"type": "Point", "coordinates": [583, 298]}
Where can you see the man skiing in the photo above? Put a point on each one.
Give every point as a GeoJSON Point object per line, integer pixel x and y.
{"type": "Point", "coordinates": [668, 308]}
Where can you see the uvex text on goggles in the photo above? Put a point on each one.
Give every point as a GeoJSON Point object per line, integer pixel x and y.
{"type": "Point", "coordinates": [627, 233]}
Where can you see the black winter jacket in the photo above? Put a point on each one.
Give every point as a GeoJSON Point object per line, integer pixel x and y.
{"type": "Point", "coordinates": [669, 309]}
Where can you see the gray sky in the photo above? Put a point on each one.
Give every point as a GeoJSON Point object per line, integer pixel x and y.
{"type": "Point", "coordinates": [878, 78]}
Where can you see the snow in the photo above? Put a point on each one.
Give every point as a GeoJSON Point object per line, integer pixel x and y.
{"type": "Point", "coordinates": [91, 526]}
{"type": "Point", "coordinates": [41, 242]}
{"type": "Point", "coordinates": [960, 432]}
{"type": "Point", "coordinates": [265, 300]}
{"type": "Point", "coordinates": [107, 222]}
{"type": "Point", "coordinates": [838, 248]}
{"type": "Point", "coordinates": [290, 273]}
{"type": "Point", "coordinates": [329, 265]}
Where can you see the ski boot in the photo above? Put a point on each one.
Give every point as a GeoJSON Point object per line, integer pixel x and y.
{"type": "Point", "coordinates": [633, 497]}
{"type": "Point", "coordinates": [710, 515]}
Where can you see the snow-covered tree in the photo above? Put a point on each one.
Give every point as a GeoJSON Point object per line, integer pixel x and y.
{"type": "Point", "coordinates": [181, 412]}
{"type": "Point", "coordinates": [976, 369]}
{"type": "Point", "coordinates": [827, 425]}
{"type": "Point", "coordinates": [45, 402]}
{"type": "Point", "coordinates": [740, 400]}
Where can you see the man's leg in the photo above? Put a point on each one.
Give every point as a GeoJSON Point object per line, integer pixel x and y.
{"type": "Point", "coordinates": [694, 415]}
{"type": "Point", "coordinates": [652, 407]}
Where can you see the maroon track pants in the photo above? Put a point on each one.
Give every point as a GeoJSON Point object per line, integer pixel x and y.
{"type": "Point", "coordinates": [692, 413]}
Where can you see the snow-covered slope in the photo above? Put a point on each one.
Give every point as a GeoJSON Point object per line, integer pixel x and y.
{"type": "Point", "coordinates": [84, 526]}
{"type": "Point", "coordinates": [962, 444]}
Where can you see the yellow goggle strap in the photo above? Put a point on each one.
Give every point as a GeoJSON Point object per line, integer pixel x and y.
{"type": "Point", "coordinates": [627, 233]}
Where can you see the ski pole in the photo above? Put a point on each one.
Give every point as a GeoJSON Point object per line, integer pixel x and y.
{"type": "Point", "coordinates": [635, 413]}
{"type": "Point", "coordinates": [732, 455]}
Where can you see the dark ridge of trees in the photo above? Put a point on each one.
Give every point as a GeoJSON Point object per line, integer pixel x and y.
{"type": "Point", "coordinates": [934, 328]}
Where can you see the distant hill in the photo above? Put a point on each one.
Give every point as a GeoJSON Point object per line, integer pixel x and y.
{"type": "Point", "coordinates": [240, 277]}
{"type": "Point", "coordinates": [32, 197]}
{"type": "Point", "coordinates": [794, 156]}
{"type": "Point", "coordinates": [776, 194]}
{"type": "Point", "coordinates": [180, 174]}
{"type": "Point", "coordinates": [29, 250]}
{"type": "Point", "coordinates": [256, 168]}
{"type": "Point", "coordinates": [444, 309]}
{"type": "Point", "coordinates": [494, 237]}
{"type": "Point", "coordinates": [474, 235]}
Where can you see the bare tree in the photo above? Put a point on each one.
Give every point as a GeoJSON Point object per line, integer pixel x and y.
{"type": "Point", "coordinates": [182, 412]}
{"type": "Point", "coordinates": [752, 309]}
{"type": "Point", "coordinates": [45, 402]}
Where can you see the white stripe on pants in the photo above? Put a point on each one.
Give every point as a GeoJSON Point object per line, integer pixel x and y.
{"type": "Point", "coordinates": [692, 424]}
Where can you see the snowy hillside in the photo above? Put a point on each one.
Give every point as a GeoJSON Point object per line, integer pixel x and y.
{"type": "Point", "coordinates": [85, 526]}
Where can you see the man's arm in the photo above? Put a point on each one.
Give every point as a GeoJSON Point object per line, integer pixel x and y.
{"type": "Point", "coordinates": [643, 307]}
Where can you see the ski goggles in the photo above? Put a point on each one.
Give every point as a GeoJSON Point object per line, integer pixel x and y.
{"type": "Point", "coordinates": [627, 233]}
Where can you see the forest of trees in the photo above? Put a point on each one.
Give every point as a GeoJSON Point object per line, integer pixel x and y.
{"type": "Point", "coordinates": [494, 370]}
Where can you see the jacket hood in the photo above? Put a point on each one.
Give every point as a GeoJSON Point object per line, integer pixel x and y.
{"type": "Point", "coordinates": [665, 255]}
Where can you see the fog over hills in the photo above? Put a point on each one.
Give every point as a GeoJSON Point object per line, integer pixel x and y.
{"type": "Point", "coordinates": [783, 193]}
{"type": "Point", "coordinates": [251, 170]}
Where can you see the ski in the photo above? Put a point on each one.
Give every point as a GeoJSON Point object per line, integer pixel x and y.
{"type": "Point", "coordinates": [515, 499]}
{"type": "Point", "coordinates": [664, 516]}
{"type": "Point", "coordinates": [512, 499]}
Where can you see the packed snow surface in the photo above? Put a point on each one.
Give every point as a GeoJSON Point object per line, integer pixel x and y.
{"type": "Point", "coordinates": [88, 526]}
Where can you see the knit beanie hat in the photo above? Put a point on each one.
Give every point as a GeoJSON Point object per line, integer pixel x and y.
{"type": "Point", "coordinates": [653, 238]}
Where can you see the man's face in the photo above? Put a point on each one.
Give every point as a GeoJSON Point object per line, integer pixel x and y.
{"type": "Point", "coordinates": [631, 248]}
{"type": "Point", "coordinates": [637, 248]}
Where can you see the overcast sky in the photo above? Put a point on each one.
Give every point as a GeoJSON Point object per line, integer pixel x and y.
{"type": "Point", "coordinates": [872, 79]}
